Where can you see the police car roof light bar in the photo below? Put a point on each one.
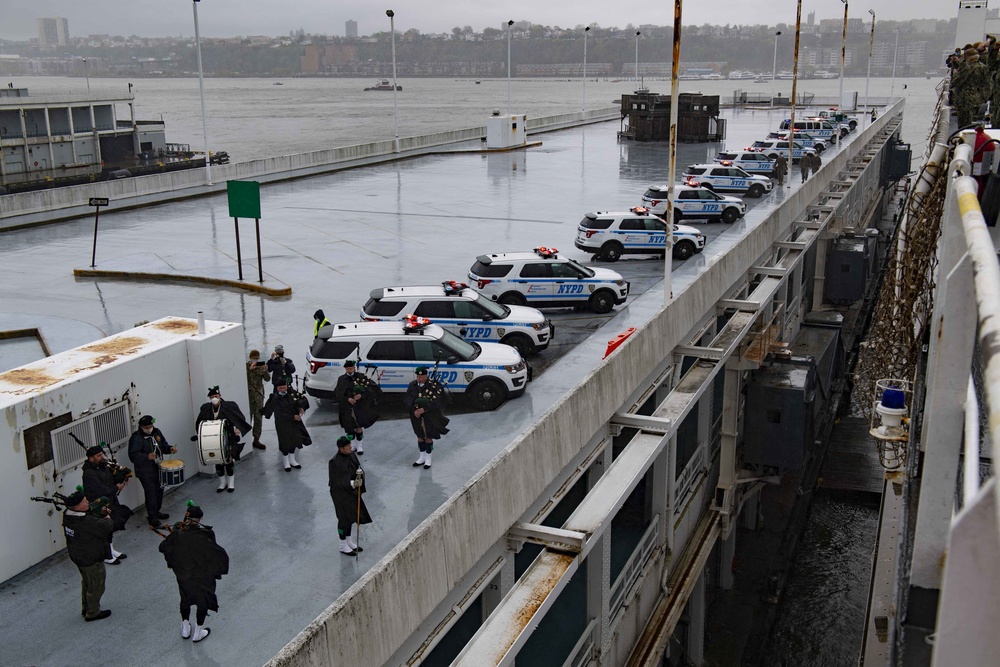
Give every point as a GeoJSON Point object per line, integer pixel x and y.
{"type": "Point", "coordinates": [545, 251]}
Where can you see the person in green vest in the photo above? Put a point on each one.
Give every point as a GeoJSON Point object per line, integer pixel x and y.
{"type": "Point", "coordinates": [321, 322]}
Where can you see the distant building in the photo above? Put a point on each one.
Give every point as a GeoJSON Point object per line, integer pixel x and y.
{"type": "Point", "coordinates": [53, 31]}
{"type": "Point", "coordinates": [811, 18]}
{"type": "Point", "coordinates": [351, 29]}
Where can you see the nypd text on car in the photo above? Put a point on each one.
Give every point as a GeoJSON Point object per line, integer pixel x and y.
{"type": "Point", "coordinates": [692, 201]}
{"type": "Point", "coordinates": [610, 235]}
{"type": "Point", "coordinates": [725, 177]}
{"type": "Point", "coordinates": [750, 161]}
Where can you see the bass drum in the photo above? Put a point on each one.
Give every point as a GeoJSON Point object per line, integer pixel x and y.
{"type": "Point", "coordinates": [213, 446]}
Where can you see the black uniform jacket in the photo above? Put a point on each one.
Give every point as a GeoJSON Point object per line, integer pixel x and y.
{"type": "Point", "coordinates": [99, 481]}
{"type": "Point", "coordinates": [432, 423]}
{"type": "Point", "coordinates": [197, 561]}
{"type": "Point", "coordinates": [364, 412]}
{"type": "Point", "coordinates": [88, 537]}
{"type": "Point", "coordinates": [343, 468]}
{"type": "Point", "coordinates": [292, 434]}
{"type": "Point", "coordinates": [140, 446]}
{"type": "Point", "coordinates": [280, 369]}
{"type": "Point", "coordinates": [231, 412]}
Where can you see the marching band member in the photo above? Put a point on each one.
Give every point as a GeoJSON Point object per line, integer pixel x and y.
{"type": "Point", "coordinates": [99, 481]}
{"type": "Point", "coordinates": [424, 399]}
{"type": "Point", "coordinates": [88, 540]}
{"type": "Point", "coordinates": [236, 426]}
{"type": "Point", "coordinates": [355, 398]}
{"type": "Point", "coordinates": [197, 561]}
{"type": "Point", "coordinates": [347, 483]}
{"type": "Point", "coordinates": [145, 446]}
{"type": "Point", "coordinates": [287, 408]}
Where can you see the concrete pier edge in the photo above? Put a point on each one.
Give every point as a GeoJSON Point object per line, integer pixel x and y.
{"type": "Point", "coordinates": [137, 276]}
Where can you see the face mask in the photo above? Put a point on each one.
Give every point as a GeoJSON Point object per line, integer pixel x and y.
{"type": "Point", "coordinates": [149, 432]}
{"type": "Point", "coordinates": [216, 400]}
{"type": "Point", "coordinates": [282, 393]}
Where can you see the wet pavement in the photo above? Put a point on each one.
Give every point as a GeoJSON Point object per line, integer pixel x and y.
{"type": "Point", "coordinates": [332, 239]}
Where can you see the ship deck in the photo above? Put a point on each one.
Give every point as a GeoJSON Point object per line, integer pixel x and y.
{"type": "Point", "coordinates": [333, 239]}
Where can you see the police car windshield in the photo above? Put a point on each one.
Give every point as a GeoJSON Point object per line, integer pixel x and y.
{"type": "Point", "coordinates": [581, 268]}
{"type": "Point", "coordinates": [462, 349]}
{"type": "Point", "coordinates": [496, 310]}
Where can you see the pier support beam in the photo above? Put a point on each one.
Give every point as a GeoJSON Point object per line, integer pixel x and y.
{"type": "Point", "coordinates": [727, 552]}
{"type": "Point", "coordinates": [696, 626]}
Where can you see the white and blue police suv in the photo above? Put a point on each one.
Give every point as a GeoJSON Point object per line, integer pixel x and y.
{"type": "Point", "coordinates": [637, 231]}
{"type": "Point", "coordinates": [464, 312]}
{"type": "Point", "coordinates": [724, 177]}
{"type": "Point", "coordinates": [691, 201]}
{"type": "Point", "coordinates": [389, 352]}
{"type": "Point", "coordinates": [750, 161]}
{"type": "Point", "coordinates": [545, 279]}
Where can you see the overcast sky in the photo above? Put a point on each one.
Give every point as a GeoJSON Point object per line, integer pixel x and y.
{"type": "Point", "coordinates": [225, 18]}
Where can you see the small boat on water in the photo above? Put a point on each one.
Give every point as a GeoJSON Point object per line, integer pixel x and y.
{"type": "Point", "coordinates": [738, 75]}
{"type": "Point", "coordinates": [277, 83]}
{"type": "Point", "coordinates": [763, 78]}
{"type": "Point", "coordinates": [785, 75]}
{"type": "Point", "coordinates": [478, 82]}
{"type": "Point", "coordinates": [384, 84]}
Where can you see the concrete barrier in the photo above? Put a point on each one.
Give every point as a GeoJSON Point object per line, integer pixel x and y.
{"type": "Point", "coordinates": [369, 622]}
{"type": "Point", "coordinates": [57, 204]}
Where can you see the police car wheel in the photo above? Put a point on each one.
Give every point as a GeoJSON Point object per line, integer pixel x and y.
{"type": "Point", "coordinates": [677, 215]}
{"type": "Point", "coordinates": [513, 299]}
{"type": "Point", "coordinates": [756, 190]}
{"type": "Point", "coordinates": [683, 250]}
{"type": "Point", "coordinates": [602, 301]}
{"type": "Point", "coordinates": [612, 251]}
{"type": "Point", "coordinates": [487, 394]}
{"type": "Point", "coordinates": [730, 215]}
{"type": "Point", "coordinates": [521, 343]}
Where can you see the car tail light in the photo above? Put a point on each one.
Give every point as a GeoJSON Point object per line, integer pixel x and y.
{"type": "Point", "coordinates": [370, 319]}
{"type": "Point", "coordinates": [656, 202]}
{"type": "Point", "coordinates": [482, 282]}
{"type": "Point", "coordinates": [314, 366]}
{"type": "Point", "coordinates": [590, 232]}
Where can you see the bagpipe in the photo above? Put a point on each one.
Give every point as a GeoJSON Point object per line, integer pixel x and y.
{"type": "Point", "coordinates": [173, 528]}
{"type": "Point", "coordinates": [97, 507]}
{"type": "Point", "coordinates": [119, 473]}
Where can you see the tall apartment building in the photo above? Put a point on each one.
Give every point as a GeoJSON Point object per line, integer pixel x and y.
{"type": "Point", "coordinates": [351, 28]}
{"type": "Point", "coordinates": [53, 31]}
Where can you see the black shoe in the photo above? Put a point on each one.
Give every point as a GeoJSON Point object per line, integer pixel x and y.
{"type": "Point", "coordinates": [155, 524]}
{"type": "Point", "coordinates": [220, 489]}
{"type": "Point", "coordinates": [100, 615]}
{"type": "Point", "coordinates": [121, 556]}
{"type": "Point", "coordinates": [259, 445]}
{"type": "Point", "coordinates": [288, 470]}
{"type": "Point", "coordinates": [230, 489]}
{"type": "Point", "coordinates": [297, 466]}
{"type": "Point", "coordinates": [116, 561]}
{"type": "Point", "coordinates": [162, 515]}
{"type": "Point", "coordinates": [417, 465]}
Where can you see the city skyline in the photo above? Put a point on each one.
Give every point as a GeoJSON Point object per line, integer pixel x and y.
{"type": "Point", "coordinates": [227, 18]}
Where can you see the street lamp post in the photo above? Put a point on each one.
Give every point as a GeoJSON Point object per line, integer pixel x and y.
{"type": "Point", "coordinates": [675, 60]}
{"type": "Point", "coordinates": [509, 24]}
{"type": "Point", "coordinates": [586, 31]}
{"type": "Point", "coordinates": [774, 66]}
{"type": "Point", "coordinates": [895, 55]}
{"type": "Point", "coordinates": [637, 33]}
{"type": "Point", "coordinates": [201, 88]}
{"type": "Point", "coordinates": [871, 43]}
{"type": "Point", "coordinates": [86, 73]}
{"type": "Point", "coordinates": [395, 109]}
{"type": "Point", "coordinates": [843, 57]}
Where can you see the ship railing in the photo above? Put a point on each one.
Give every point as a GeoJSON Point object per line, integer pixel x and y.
{"type": "Point", "coordinates": [632, 572]}
{"type": "Point", "coordinates": [583, 653]}
{"type": "Point", "coordinates": [964, 346]}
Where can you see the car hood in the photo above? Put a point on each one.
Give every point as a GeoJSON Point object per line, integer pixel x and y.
{"type": "Point", "coordinates": [687, 229]}
{"type": "Point", "coordinates": [525, 314]}
{"type": "Point", "coordinates": [605, 274]}
{"type": "Point", "coordinates": [497, 354]}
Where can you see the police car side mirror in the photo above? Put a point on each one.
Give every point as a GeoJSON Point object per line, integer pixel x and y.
{"type": "Point", "coordinates": [453, 360]}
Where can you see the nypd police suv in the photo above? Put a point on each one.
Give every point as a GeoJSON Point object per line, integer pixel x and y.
{"type": "Point", "coordinates": [464, 312]}
{"type": "Point", "coordinates": [750, 161]}
{"type": "Point", "coordinates": [611, 235]}
{"type": "Point", "coordinates": [692, 201]}
{"type": "Point", "coordinates": [772, 148]}
{"type": "Point", "coordinates": [544, 279]}
{"type": "Point", "coordinates": [727, 177]}
{"type": "Point", "coordinates": [389, 352]}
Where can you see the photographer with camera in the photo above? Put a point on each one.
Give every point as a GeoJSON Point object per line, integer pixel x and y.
{"type": "Point", "coordinates": [279, 367]}
{"type": "Point", "coordinates": [257, 375]}
{"type": "Point", "coordinates": [99, 480]}
{"type": "Point", "coordinates": [88, 540]}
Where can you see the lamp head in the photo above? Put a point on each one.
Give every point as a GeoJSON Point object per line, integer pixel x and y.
{"type": "Point", "coordinates": [390, 13]}
{"type": "Point", "coordinates": [510, 22]}
{"type": "Point", "coordinates": [638, 32]}
{"type": "Point", "coordinates": [777, 33]}
{"type": "Point", "coordinates": [872, 12]}
{"type": "Point", "coordinates": [587, 29]}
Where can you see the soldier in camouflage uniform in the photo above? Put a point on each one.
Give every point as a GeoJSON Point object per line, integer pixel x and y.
{"type": "Point", "coordinates": [972, 87]}
{"type": "Point", "coordinates": [257, 375]}
{"type": "Point", "coordinates": [994, 66]}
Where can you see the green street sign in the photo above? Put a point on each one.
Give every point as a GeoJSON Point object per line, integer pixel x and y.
{"type": "Point", "coordinates": [244, 199]}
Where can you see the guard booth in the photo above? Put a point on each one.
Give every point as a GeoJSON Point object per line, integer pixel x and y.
{"type": "Point", "coordinates": [506, 131]}
{"type": "Point", "coordinates": [648, 117]}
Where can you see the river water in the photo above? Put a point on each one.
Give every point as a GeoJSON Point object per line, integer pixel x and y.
{"type": "Point", "coordinates": [254, 118]}
{"type": "Point", "coordinates": [821, 619]}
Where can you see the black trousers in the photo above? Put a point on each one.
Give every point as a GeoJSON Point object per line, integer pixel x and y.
{"type": "Point", "coordinates": [153, 491]}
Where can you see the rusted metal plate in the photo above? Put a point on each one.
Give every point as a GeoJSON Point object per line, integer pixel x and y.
{"type": "Point", "coordinates": [514, 620]}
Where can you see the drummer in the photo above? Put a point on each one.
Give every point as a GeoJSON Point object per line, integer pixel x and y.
{"type": "Point", "coordinates": [236, 428]}
{"type": "Point", "coordinates": [146, 447]}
